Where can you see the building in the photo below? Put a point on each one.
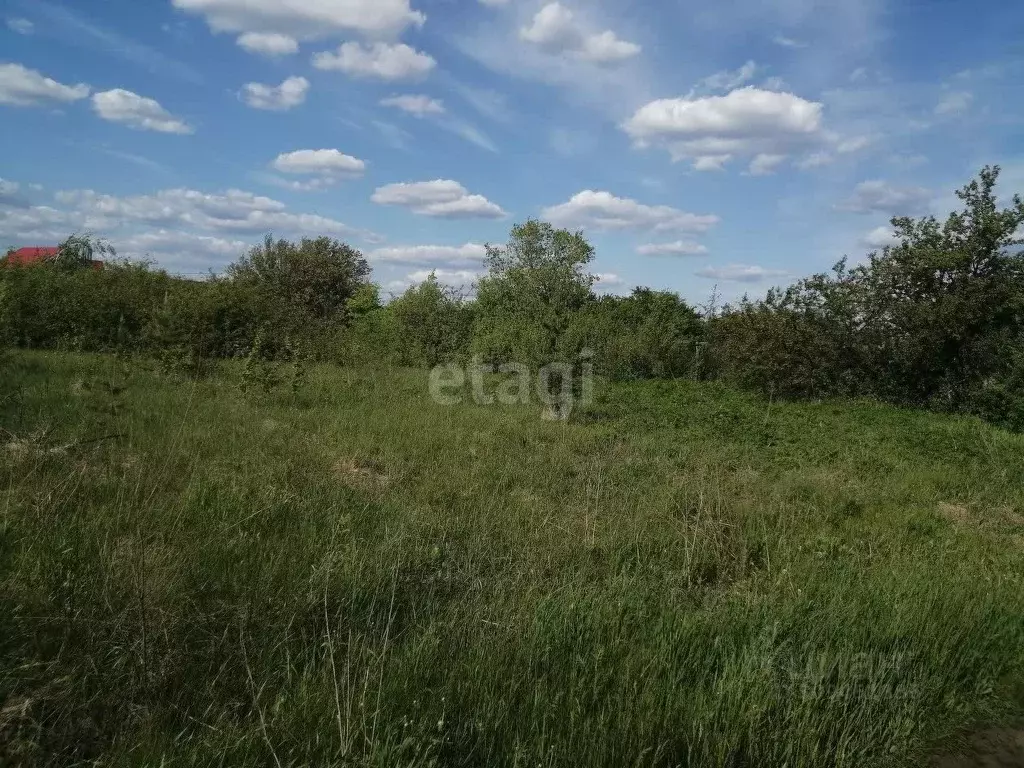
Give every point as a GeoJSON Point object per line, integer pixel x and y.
{"type": "Point", "coordinates": [24, 257]}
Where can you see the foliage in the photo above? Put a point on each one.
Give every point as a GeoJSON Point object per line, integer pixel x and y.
{"type": "Point", "coordinates": [80, 251]}
{"type": "Point", "coordinates": [648, 334]}
{"type": "Point", "coordinates": [433, 323]}
{"type": "Point", "coordinates": [935, 320]}
{"type": "Point", "coordinates": [529, 299]}
{"type": "Point", "coordinates": [376, 580]}
{"type": "Point", "coordinates": [314, 279]}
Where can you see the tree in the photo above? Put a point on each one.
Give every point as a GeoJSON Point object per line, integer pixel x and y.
{"type": "Point", "coordinates": [944, 306]}
{"type": "Point", "coordinates": [534, 287]}
{"type": "Point", "coordinates": [317, 277]}
{"type": "Point", "coordinates": [433, 322]}
{"type": "Point", "coordinates": [79, 251]}
{"type": "Point", "coordinates": [937, 319]}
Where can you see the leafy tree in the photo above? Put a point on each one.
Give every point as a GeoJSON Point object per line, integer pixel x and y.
{"type": "Point", "coordinates": [433, 321]}
{"type": "Point", "coordinates": [937, 319]}
{"type": "Point", "coordinates": [79, 251]}
{"type": "Point", "coordinates": [648, 334]}
{"type": "Point", "coordinates": [534, 287]}
{"type": "Point", "coordinates": [317, 277]}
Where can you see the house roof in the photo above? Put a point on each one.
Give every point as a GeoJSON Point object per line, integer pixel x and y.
{"type": "Point", "coordinates": [33, 254]}
{"type": "Point", "coordinates": [37, 254]}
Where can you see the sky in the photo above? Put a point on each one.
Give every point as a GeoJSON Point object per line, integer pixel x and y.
{"type": "Point", "coordinates": [736, 144]}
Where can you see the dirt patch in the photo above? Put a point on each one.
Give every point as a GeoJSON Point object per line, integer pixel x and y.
{"type": "Point", "coordinates": [995, 748]}
{"type": "Point", "coordinates": [955, 513]}
{"type": "Point", "coordinates": [361, 475]}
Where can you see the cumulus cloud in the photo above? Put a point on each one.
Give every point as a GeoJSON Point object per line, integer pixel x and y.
{"type": "Point", "coordinates": [676, 248]}
{"type": "Point", "coordinates": [306, 19]}
{"type": "Point", "coordinates": [608, 282]}
{"type": "Point", "coordinates": [233, 211]}
{"type": "Point", "coordinates": [121, 106]}
{"type": "Point", "coordinates": [450, 256]}
{"type": "Point", "coordinates": [453, 277]}
{"type": "Point", "coordinates": [878, 238]}
{"type": "Point", "coordinates": [291, 93]}
{"type": "Point", "coordinates": [442, 198]}
{"type": "Point", "coordinates": [765, 164]}
{"type": "Point", "coordinates": [555, 30]}
{"type": "Point", "coordinates": [954, 103]}
{"type": "Point", "coordinates": [23, 87]}
{"type": "Point", "coordinates": [268, 43]}
{"type": "Point", "coordinates": [180, 251]}
{"type": "Point", "coordinates": [415, 104]}
{"type": "Point", "coordinates": [324, 166]}
{"type": "Point", "coordinates": [882, 197]}
{"type": "Point", "coordinates": [746, 122]}
{"type": "Point", "coordinates": [32, 225]}
{"type": "Point", "coordinates": [21, 26]}
{"type": "Point", "coordinates": [604, 211]}
{"type": "Point", "coordinates": [384, 61]}
{"type": "Point", "coordinates": [740, 273]}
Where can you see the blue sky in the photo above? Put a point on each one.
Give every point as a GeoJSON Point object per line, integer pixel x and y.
{"type": "Point", "coordinates": [738, 143]}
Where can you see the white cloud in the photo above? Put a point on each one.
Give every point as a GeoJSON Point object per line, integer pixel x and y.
{"type": "Point", "coordinates": [747, 121]}
{"type": "Point", "coordinates": [765, 164]}
{"type": "Point", "coordinates": [441, 198]}
{"type": "Point", "coordinates": [604, 211]}
{"type": "Point", "coordinates": [608, 280]}
{"type": "Point", "coordinates": [268, 43]}
{"type": "Point", "coordinates": [385, 61]}
{"type": "Point", "coordinates": [878, 238]}
{"type": "Point", "coordinates": [23, 87]}
{"type": "Point", "coordinates": [306, 19]}
{"type": "Point", "coordinates": [121, 106]}
{"type": "Point", "coordinates": [740, 273]}
{"type": "Point", "coordinates": [676, 248]}
{"type": "Point", "coordinates": [179, 226]}
{"type": "Point", "coordinates": [291, 93]}
{"type": "Point", "coordinates": [468, 255]}
{"type": "Point", "coordinates": [954, 103]}
{"type": "Point", "coordinates": [788, 42]}
{"type": "Point", "coordinates": [555, 30]}
{"type": "Point", "coordinates": [232, 211]}
{"type": "Point", "coordinates": [8, 188]}
{"type": "Point", "coordinates": [453, 277]}
{"type": "Point", "coordinates": [326, 165]}
{"type": "Point", "coordinates": [181, 251]}
{"type": "Point", "coordinates": [35, 225]}
{"type": "Point", "coordinates": [727, 81]}
{"type": "Point", "coordinates": [711, 162]}
{"type": "Point", "coordinates": [415, 104]}
{"type": "Point", "coordinates": [881, 197]}
{"type": "Point", "coordinates": [606, 48]}
{"type": "Point", "coordinates": [21, 26]}
{"type": "Point", "coordinates": [494, 3]}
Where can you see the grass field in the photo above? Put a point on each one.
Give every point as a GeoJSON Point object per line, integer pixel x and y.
{"type": "Point", "coordinates": [357, 576]}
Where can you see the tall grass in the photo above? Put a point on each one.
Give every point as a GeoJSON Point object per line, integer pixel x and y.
{"type": "Point", "coordinates": [356, 576]}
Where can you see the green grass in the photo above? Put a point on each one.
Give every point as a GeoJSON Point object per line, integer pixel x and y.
{"type": "Point", "coordinates": [356, 576]}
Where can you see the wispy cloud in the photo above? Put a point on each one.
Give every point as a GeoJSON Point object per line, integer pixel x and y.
{"type": "Point", "coordinates": [71, 27]}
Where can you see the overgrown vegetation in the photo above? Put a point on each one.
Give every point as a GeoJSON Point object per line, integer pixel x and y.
{"type": "Point", "coordinates": [218, 546]}
{"type": "Point", "coordinates": [197, 575]}
{"type": "Point", "coordinates": [934, 321]}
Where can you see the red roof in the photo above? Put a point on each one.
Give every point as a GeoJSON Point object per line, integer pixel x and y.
{"type": "Point", "coordinates": [24, 256]}
{"type": "Point", "coordinates": [36, 255]}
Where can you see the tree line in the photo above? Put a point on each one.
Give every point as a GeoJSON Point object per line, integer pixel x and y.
{"type": "Point", "coordinates": [935, 320]}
